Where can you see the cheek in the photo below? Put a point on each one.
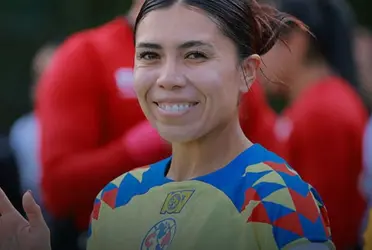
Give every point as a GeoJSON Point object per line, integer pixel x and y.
{"type": "Point", "coordinates": [212, 82]}
{"type": "Point", "coordinates": [143, 80]}
{"type": "Point", "coordinates": [220, 88]}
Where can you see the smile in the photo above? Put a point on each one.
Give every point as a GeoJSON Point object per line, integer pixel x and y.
{"type": "Point", "coordinates": [176, 107]}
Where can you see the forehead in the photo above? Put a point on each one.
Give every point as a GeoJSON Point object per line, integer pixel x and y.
{"type": "Point", "coordinates": [177, 23]}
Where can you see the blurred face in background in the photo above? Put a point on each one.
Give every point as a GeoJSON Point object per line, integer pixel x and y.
{"type": "Point", "coordinates": [281, 64]}
{"type": "Point", "coordinates": [41, 61]}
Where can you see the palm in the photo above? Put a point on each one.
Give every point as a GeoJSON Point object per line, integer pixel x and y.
{"type": "Point", "coordinates": [16, 233]}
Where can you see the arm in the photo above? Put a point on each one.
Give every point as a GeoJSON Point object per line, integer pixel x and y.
{"type": "Point", "coordinates": [75, 165]}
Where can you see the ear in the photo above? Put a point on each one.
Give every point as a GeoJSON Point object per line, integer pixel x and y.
{"type": "Point", "coordinates": [249, 69]}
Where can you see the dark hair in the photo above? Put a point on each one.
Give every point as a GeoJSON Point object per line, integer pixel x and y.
{"type": "Point", "coordinates": [332, 23]}
{"type": "Point", "coordinates": [253, 27]}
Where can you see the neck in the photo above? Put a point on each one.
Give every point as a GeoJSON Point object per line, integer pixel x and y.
{"type": "Point", "coordinates": [208, 154]}
{"type": "Point", "coordinates": [306, 77]}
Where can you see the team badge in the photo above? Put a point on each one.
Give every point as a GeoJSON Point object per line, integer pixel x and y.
{"type": "Point", "coordinates": [175, 201]}
{"type": "Point", "coordinates": [160, 236]}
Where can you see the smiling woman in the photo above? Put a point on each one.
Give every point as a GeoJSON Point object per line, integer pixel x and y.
{"type": "Point", "coordinates": [194, 60]}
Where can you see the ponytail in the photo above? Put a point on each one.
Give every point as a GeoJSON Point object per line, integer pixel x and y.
{"type": "Point", "coordinates": [269, 23]}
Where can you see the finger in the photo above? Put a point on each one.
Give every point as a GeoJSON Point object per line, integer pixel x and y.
{"type": "Point", "coordinates": [33, 211]}
{"type": "Point", "coordinates": [5, 204]}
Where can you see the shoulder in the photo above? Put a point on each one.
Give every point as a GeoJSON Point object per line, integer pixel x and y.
{"type": "Point", "coordinates": [122, 189]}
{"type": "Point", "coordinates": [130, 182]}
{"type": "Point", "coordinates": [271, 180]}
{"type": "Point", "coordinates": [72, 69]}
{"type": "Point", "coordinates": [335, 101]}
{"type": "Point", "coordinates": [85, 41]}
{"type": "Point", "coordinates": [281, 203]}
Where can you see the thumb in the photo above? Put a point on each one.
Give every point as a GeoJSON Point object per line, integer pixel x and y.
{"type": "Point", "coordinates": [33, 211]}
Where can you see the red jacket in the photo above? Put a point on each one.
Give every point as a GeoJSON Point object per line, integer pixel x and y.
{"type": "Point", "coordinates": [320, 135]}
{"type": "Point", "coordinates": [88, 111]}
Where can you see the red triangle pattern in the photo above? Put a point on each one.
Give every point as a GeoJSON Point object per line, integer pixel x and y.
{"type": "Point", "coordinates": [250, 195]}
{"type": "Point", "coordinates": [109, 197]}
{"type": "Point", "coordinates": [96, 209]}
{"type": "Point", "coordinates": [259, 214]}
{"type": "Point", "coordinates": [280, 167]}
{"type": "Point", "coordinates": [290, 222]}
{"type": "Point", "coordinates": [305, 206]}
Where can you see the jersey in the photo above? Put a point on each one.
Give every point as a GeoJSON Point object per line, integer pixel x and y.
{"type": "Point", "coordinates": [255, 202]}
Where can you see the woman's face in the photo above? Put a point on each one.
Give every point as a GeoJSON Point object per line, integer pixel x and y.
{"type": "Point", "coordinates": [187, 75]}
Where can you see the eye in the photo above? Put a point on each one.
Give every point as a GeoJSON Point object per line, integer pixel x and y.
{"type": "Point", "coordinates": [196, 55]}
{"type": "Point", "coordinates": [148, 55]}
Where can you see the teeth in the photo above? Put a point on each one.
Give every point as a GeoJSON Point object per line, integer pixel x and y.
{"type": "Point", "coordinates": [175, 107]}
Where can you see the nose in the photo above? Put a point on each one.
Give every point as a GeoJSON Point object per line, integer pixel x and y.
{"type": "Point", "coordinates": [170, 77]}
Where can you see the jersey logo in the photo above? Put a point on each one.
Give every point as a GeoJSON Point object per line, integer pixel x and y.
{"type": "Point", "coordinates": [175, 201]}
{"type": "Point", "coordinates": [124, 81]}
{"type": "Point", "coordinates": [160, 236]}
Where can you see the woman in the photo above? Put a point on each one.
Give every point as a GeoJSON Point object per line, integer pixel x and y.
{"type": "Point", "coordinates": [218, 190]}
{"type": "Point", "coordinates": [320, 132]}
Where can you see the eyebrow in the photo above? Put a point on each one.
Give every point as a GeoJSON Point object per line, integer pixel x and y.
{"type": "Point", "coordinates": [186, 45]}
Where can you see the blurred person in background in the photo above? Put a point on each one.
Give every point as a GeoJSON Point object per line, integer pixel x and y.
{"type": "Point", "coordinates": [363, 56]}
{"type": "Point", "coordinates": [92, 127]}
{"type": "Point", "coordinates": [24, 134]}
{"type": "Point", "coordinates": [320, 132]}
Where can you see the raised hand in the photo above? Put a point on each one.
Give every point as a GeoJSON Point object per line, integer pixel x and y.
{"type": "Point", "coordinates": [16, 233]}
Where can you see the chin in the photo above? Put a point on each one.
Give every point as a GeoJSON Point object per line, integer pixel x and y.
{"type": "Point", "coordinates": [177, 135]}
